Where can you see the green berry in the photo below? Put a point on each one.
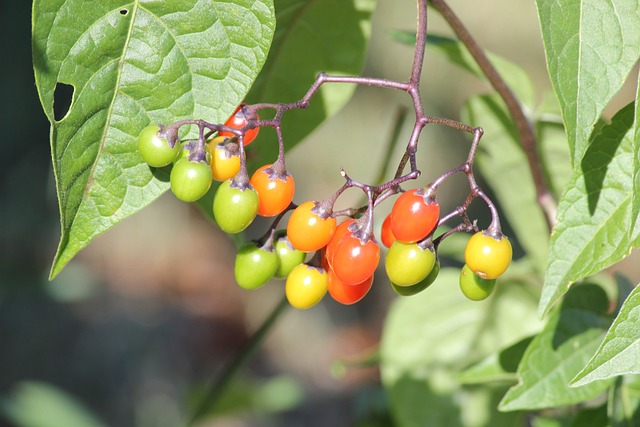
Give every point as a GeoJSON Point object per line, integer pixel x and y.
{"type": "Point", "coordinates": [473, 286]}
{"type": "Point", "coordinates": [155, 149]}
{"type": "Point", "coordinates": [254, 266]}
{"type": "Point", "coordinates": [234, 208]}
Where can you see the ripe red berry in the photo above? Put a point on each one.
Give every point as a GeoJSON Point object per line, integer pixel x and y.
{"type": "Point", "coordinates": [238, 120]}
{"type": "Point", "coordinates": [355, 261]}
{"type": "Point", "coordinates": [413, 216]}
{"type": "Point", "coordinates": [386, 235]}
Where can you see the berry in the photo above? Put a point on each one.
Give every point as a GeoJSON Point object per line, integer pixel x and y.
{"type": "Point", "coordinates": [341, 230]}
{"type": "Point", "coordinates": [275, 193]}
{"type": "Point", "coordinates": [386, 235]}
{"type": "Point", "coordinates": [288, 256]}
{"type": "Point", "coordinates": [155, 149]}
{"type": "Point", "coordinates": [307, 231]}
{"type": "Point", "coordinates": [407, 263]}
{"type": "Point", "coordinates": [421, 285]}
{"type": "Point", "coordinates": [190, 180]}
{"type": "Point", "coordinates": [254, 265]}
{"type": "Point", "coordinates": [306, 286]}
{"type": "Point", "coordinates": [487, 256]}
{"type": "Point", "coordinates": [238, 120]}
{"type": "Point", "coordinates": [413, 217]}
{"type": "Point", "coordinates": [344, 294]}
{"type": "Point", "coordinates": [234, 208]}
{"type": "Point", "coordinates": [355, 261]}
{"type": "Point", "coordinates": [475, 287]}
{"type": "Point", "coordinates": [225, 163]}
{"type": "Point", "coordinates": [347, 294]}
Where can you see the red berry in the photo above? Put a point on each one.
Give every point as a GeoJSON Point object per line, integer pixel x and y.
{"type": "Point", "coordinates": [355, 261]}
{"type": "Point", "coordinates": [238, 120]}
{"type": "Point", "coordinates": [386, 235]}
{"type": "Point", "coordinates": [413, 217]}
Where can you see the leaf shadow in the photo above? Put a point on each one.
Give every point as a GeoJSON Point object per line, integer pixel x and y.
{"type": "Point", "coordinates": [510, 357]}
{"type": "Point", "coordinates": [600, 153]}
{"type": "Point", "coordinates": [162, 174]}
{"type": "Point", "coordinates": [582, 309]}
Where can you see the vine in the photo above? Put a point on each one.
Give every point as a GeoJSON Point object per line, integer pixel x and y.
{"type": "Point", "coordinates": [247, 120]}
{"type": "Point", "coordinates": [355, 265]}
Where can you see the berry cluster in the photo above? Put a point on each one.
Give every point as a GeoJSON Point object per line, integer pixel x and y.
{"type": "Point", "coordinates": [346, 254]}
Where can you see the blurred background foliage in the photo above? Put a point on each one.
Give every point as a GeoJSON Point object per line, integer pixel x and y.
{"type": "Point", "coordinates": [141, 322]}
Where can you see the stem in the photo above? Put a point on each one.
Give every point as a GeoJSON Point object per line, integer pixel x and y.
{"type": "Point", "coordinates": [525, 130]}
{"type": "Point", "coordinates": [218, 387]}
{"type": "Point", "coordinates": [421, 38]}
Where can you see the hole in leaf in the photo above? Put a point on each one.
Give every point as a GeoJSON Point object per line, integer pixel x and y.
{"type": "Point", "coordinates": [62, 97]}
{"type": "Point", "coordinates": [124, 12]}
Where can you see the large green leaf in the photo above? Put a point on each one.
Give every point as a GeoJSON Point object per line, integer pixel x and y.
{"type": "Point", "coordinates": [131, 64]}
{"type": "Point", "coordinates": [591, 45]}
{"type": "Point", "coordinates": [430, 336]}
{"type": "Point", "coordinates": [594, 214]}
{"type": "Point", "coordinates": [312, 36]}
{"type": "Point", "coordinates": [559, 352]}
{"type": "Point", "coordinates": [504, 165]}
{"type": "Point", "coordinates": [619, 353]}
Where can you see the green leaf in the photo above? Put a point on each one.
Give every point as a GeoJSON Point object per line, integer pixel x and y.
{"type": "Point", "coordinates": [635, 205]}
{"type": "Point", "coordinates": [464, 330]}
{"type": "Point", "coordinates": [594, 214]}
{"type": "Point", "coordinates": [438, 400]}
{"type": "Point", "coordinates": [591, 46]}
{"type": "Point", "coordinates": [35, 404]}
{"type": "Point", "coordinates": [501, 366]}
{"type": "Point", "coordinates": [553, 149]}
{"type": "Point", "coordinates": [504, 166]}
{"type": "Point", "coordinates": [130, 64]}
{"type": "Point", "coordinates": [429, 336]}
{"type": "Point", "coordinates": [312, 36]}
{"type": "Point", "coordinates": [624, 402]}
{"type": "Point", "coordinates": [619, 353]}
{"type": "Point", "coordinates": [455, 51]}
{"type": "Point", "coordinates": [559, 352]}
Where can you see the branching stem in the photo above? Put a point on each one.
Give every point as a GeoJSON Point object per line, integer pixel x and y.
{"type": "Point", "coordinates": [525, 129]}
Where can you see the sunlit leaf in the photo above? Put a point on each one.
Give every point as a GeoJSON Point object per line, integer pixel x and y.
{"type": "Point", "coordinates": [131, 64]}
{"type": "Point", "coordinates": [619, 353]}
{"type": "Point", "coordinates": [594, 213]}
{"type": "Point", "coordinates": [591, 46]}
{"type": "Point", "coordinates": [553, 358]}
